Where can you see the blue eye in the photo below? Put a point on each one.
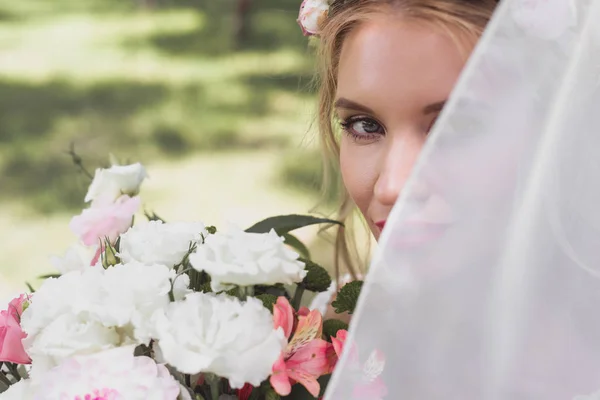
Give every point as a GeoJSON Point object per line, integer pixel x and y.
{"type": "Point", "coordinates": [362, 128]}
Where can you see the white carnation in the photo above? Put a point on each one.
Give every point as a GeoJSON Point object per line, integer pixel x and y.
{"type": "Point", "coordinates": [111, 183]}
{"type": "Point", "coordinates": [72, 293]}
{"type": "Point", "coordinates": [156, 242]}
{"type": "Point", "coordinates": [245, 259]}
{"type": "Point", "coordinates": [67, 335]}
{"type": "Point", "coordinates": [112, 374]}
{"type": "Point", "coordinates": [134, 291]}
{"type": "Point", "coordinates": [221, 335]}
{"type": "Point", "coordinates": [88, 311]}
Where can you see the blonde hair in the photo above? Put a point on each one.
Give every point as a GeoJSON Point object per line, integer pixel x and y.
{"type": "Point", "coordinates": [457, 18]}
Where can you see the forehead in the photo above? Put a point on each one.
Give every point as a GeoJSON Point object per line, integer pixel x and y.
{"type": "Point", "coordinates": [396, 60]}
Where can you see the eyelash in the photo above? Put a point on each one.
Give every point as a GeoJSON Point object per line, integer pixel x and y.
{"type": "Point", "coordinates": [346, 125]}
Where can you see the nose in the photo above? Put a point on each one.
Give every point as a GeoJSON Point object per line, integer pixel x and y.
{"type": "Point", "coordinates": [402, 151]}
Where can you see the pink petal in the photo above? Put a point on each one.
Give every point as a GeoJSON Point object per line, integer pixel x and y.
{"type": "Point", "coordinates": [313, 359]}
{"type": "Point", "coordinates": [339, 340]}
{"type": "Point", "coordinates": [105, 220]}
{"type": "Point", "coordinates": [283, 316]}
{"type": "Point", "coordinates": [307, 380]}
{"type": "Point", "coordinates": [303, 311]}
{"type": "Point", "coordinates": [279, 378]}
{"type": "Point", "coordinates": [11, 334]}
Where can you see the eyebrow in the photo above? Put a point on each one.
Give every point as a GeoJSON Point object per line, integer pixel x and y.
{"type": "Point", "coordinates": [434, 107]}
{"type": "Point", "coordinates": [351, 105]}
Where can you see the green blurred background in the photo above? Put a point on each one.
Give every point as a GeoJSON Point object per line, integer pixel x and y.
{"type": "Point", "coordinates": [220, 116]}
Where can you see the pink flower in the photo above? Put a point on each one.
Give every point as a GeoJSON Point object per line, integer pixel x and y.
{"type": "Point", "coordinates": [312, 13]}
{"type": "Point", "coordinates": [105, 220]}
{"type": "Point", "coordinates": [283, 316]}
{"type": "Point", "coordinates": [306, 356]}
{"type": "Point", "coordinates": [338, 341]}
{"type": "Point", "coordinates": [369, 384]}
{"type": "Point", "coordinates": [107, 375]}
{"type": "Point", "coordinates": [11, 334]}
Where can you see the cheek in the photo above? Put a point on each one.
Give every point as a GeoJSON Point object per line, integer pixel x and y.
{"type": "Point", "coordinates": [359, 172]}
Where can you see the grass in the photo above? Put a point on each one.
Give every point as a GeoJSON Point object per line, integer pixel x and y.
{"type": "Point", "coordinates": [148, 85]}
{"type": "Point", "coordinates": [166, 85]}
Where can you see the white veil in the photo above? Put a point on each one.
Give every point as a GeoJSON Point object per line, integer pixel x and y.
{"type": "Point", "coordinates": [504, 303]}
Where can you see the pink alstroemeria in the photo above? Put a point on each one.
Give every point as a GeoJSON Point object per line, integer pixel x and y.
{"type": "Point", "coordinates": [11, 334]}
{"type": "Point", "coordinates": [369, 384]}
{"type": "Point", "coordinates": [306, 357]}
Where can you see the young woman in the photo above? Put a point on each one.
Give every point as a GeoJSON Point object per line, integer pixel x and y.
{"type": "Point", "coordinates": [387, 68]}
{"type": "Point", "coordinates": [488, 287]}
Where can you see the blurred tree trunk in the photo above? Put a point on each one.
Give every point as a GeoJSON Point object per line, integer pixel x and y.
{"type": "Point", "coordinates": [242, 20]}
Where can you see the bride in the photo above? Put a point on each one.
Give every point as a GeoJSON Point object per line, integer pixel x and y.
{"type": "Point", "coordinates": [374, 124]}
{"type": "Point", "coordinates": [473, 161]}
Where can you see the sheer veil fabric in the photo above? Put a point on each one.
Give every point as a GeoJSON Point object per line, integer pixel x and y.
{"type": "Point", "coordinates": [503, 301]}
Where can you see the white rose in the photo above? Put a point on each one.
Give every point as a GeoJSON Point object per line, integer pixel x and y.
{"type": "Point", "coordinates": [66, 336]}
{"type": "Point", "coordinates": [111, 183]}
{"type": "Point", "coordinates": [160, 243]}
{"type": "Point", "coordinates": [73, 260]}
{"type": "Point", "coordinates": [246, 259]}
{"type": "Point", "coordinates": [112, 374]}
{"type": "Point", "coordinates": [219, 334]}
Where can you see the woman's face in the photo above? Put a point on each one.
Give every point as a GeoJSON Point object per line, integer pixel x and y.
{"type": "Point", "coordinates": [394, 78]}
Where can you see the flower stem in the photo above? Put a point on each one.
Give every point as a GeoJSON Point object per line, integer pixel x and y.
{"type": "Point", "coordinates": [214, 383]}
{"type": "Point", "coordinates": [297, 297]}
{"type": "Point", "coordinates": [14, 371]}
{"type": "Point", "coordinates": [245, 291]}
{"type": "Point", "coordinates": [4, 379]}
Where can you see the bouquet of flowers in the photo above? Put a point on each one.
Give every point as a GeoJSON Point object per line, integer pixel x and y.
{"type": "Point", "coordinates": [173, 310]}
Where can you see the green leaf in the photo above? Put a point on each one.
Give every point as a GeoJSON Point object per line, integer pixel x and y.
{"type": "Point", "coordinates": [347, 297]}
{"type": "Point", "coordinates": [31, 289]}
{"type": "Point", "coordinates": [47, 276]}
{"type": "Point", "coordinates": [152, 216]}
{"type": "Point", "coordinates": [270, 394]}
{"type": "Point", "coordinates": [332, 326]}
{"type": "Point", "coordinates": [211, 229]}
{"type": "Point", "coordinates": [268, 300]}
{"type": "Point", "coordinates": [293, 241]}
{"type": "Point", "coordinates": [317, 278]}
{"type": "Point", "coordinates": [287, 223]}
{"type": "Point", "coordinates": [205, 287]}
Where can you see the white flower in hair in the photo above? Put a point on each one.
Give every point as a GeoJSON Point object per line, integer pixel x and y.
{"type": "Point", "coordinates": [219, 334]}
{"type": "Point", "coordinates": [156, 242]}
{"type": "Point", "coordinates": [246, 259]}
{"type": "Point", "coordinates": [312, 14]}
